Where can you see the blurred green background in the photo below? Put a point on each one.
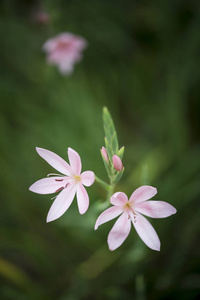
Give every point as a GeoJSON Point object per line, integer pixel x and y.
{"type": "Point", "coordinates": [143, 63]}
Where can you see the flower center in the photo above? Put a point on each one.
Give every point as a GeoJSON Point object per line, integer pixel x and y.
{"type": "Point", "coordinates": [130, 211]}
{"type": "Point", "coordinates": [63, 45]}
{"type": "Point", "coordinates": [77, 178]}
{"type": "Point", "coordinates": [128, 207]}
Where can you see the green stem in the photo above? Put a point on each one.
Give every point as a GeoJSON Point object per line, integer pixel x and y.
{"type": "Point", "coordinates": [108, 187]}
{"type": "Point", "coordinates": [111, 191]}
{"type": "Point", "coordinates": [103, 184]}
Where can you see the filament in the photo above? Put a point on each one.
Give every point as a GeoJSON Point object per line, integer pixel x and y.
{"type": "Point", "coordinates": [53, 174]}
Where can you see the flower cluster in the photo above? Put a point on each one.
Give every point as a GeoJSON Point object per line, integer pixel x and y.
{"type": "Point", "coordinates": [71, 182]}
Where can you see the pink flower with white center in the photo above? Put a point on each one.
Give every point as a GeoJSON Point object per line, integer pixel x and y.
{"type": "Point", "coordinates": [130, 211]}
{"type": "Point", "coordinates": [71, 183]}
{"type": "Point", "coordinates": [64, 50]}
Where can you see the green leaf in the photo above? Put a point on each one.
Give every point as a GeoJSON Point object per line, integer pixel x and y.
{"type": "Point", "coordinates": [118, 176]}
{"type": "Point", "coordinates": [120, 153]}
{"type": "Point", "coordinates": [109, 149]}
{"type": "Point", "coordinates": [114, 143]}
{"type": "Point", "coordinates": [110, 133]}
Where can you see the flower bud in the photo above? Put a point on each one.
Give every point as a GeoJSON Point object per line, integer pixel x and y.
{"type": "Point", "coordinates": [117, 163]}
{"type": "Point", "coordinates": [105, 154]}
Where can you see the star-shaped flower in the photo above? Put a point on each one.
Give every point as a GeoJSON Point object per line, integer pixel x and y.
{"type": "Point", "coordinates": [71, 183]}
{"type": "Point", "coordinates": [130, 211]}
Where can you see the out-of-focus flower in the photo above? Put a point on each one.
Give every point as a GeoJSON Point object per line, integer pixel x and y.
{"type": "Point", "coordinates": [64, 50]}
{"type": "Point", "coordinates": [42, 17]}
{"type": "Point", "coordinates": [71, 183]}
{"type": "Point", "coordinates": [105, 154]}
{"type": "Point", "coordinates": [117, 163]}
{"type": "Point", "coordinates": [130, 211]}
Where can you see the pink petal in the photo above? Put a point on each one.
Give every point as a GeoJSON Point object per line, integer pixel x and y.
{"type": "Point", "coordinates": [65, 67]}
{"type": "Point", "coordinates": [87, 178]}
{"type": "Point", "coordinates": [143, 193]}
{"type": "Point", "coordinates": [64, 37]}
{"type": "Point", "coordinates": [55, 161]}
{"type": "Point", "coordinates": [119, 199]}
{"type": "Point", "coordinates": [155, 209]}
{"type": "Point", "coordinates": [82, 199]}
{"type": "Point", "coordinates": [146, 232]}
{"type": "Point", "coordinates": [48, 185]}
{"type": "Point", "coordinates": [61, 203]}
{"type": "Point", "coordinates": [108, 215]}
{"type": "Point", "coordinates": [80, 43]}
{"type": "Point", "coordinates": [119, 232]}
{"type": "Point", "coordinates": [50, 45]}
{"type": "Point", "coordinates": [75, 161]}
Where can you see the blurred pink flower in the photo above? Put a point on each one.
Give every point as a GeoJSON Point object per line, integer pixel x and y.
{"type": "Point", "coordinates": [130, 211]}
{"type": "Point", "coordinates": [42, 17]}
{"type": "Point", "coordinates": [69, 184]}
{"type": "Point", "coordinates": [117, 163]}
{"type": "Point", "coordinates": [64, 50]}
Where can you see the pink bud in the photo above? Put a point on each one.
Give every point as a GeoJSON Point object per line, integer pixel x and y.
{"type": "Point", "coordinates": [105, 154]}
{"type": "Point", "coordinates": [117, 163]}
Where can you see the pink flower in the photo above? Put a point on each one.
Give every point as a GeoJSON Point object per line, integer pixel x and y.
{"type": "Point", "coordinates": [64, 50]}
{"type": "Point", "coordinates": [117, 163]}
{"type": "Point", "coordinates": [69, 184]}
{"type": "Point", "coordinates": [130, 211]}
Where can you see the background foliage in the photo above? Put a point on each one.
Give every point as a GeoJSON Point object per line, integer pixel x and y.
{"type": "Point", "coordinates": [143, 64]}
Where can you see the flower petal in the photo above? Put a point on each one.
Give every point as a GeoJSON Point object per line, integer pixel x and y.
{"type": "Point", "coordinates": [119, 232]}
{"type": "Point", "coordinates": [155, 209]}
{"type": "Point", "coordinates": [119, 199]}
{"type": "Point", "coordinates": [65, 66]}
{"type": "Point", "coordinates": [108, 215]}
{"type": "Point", "coordinates": [48, 185]}
{"type": "Point", "coordinates": [75, 161]}
{"type": "Point", "coordinates": [146, 232]}
{"type": "Point", "coordinates": [87, 178]}
{"type": "Point", "coordinates": [82, 199]}
{"type": "Point", "coordinates": [61, 203]}
{"type": "Point", "coordinates": [50, 45]}
{"type": "Point", "coordinates": [143, 193]}
{"type": "Point", "coordinates": [55, 161]}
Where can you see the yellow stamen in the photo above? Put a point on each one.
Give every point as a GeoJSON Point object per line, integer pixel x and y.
{"type": "Point", "coordinates": [128, 208]}
{"type": "Point", "coordinates": [77, 178]}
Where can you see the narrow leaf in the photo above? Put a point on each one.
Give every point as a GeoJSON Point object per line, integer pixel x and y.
{"type": "Point", "coordinates": [110, 132]}
{"type": "Point", "coordinates": [120, 153]}
{"type": "Point", "coordinates": [118, 176]}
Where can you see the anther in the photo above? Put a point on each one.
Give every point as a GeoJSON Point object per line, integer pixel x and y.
{"type": "Point", "coordinates": [60, 189]}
